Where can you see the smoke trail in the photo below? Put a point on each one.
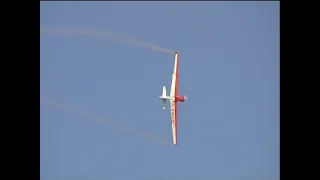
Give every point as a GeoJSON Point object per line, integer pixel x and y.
{"type": "Point", "coordinates": [107, 35]}
{"type": "Point", "coordinates": [69, 108]}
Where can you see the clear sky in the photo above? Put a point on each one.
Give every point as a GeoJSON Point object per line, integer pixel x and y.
{"type": "Point", "coordinates": [229, 67]}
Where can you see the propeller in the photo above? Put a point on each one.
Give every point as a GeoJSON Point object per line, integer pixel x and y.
{"type": "Point", "coordinates": [186, 97]}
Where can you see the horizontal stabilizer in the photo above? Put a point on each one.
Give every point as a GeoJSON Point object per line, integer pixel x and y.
{"type": "Point", "coordinates": [164, 97]}
{"type": "Point", "coordinates": [164, 103]}
{"type": "Point", "coordinates": [164, 91]}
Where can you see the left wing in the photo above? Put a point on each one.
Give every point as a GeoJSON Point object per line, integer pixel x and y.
{"type": "Point", "coordinates": [174, 81]}
{"type": "Point", "coordinates": [173, 105]}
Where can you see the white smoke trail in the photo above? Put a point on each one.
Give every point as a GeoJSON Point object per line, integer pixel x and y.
{"type": "Point", "coordinates": [83, 113]}
{"type": "Point", "coordinates": [105, 34]}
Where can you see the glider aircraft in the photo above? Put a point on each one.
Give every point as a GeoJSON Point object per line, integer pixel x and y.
{"type": "Point", "coordinates": [174, 98]}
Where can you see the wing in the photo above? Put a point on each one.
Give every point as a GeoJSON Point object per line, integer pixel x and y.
{"type": "Point", "coordinates": [173, 107]}
{"type": "Point", "coordinates": [174, 81]}
{"type": "Point", "coordinates": [173, 103]}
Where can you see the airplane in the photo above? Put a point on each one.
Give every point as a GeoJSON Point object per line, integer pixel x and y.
{"type": "Point", "coordinates": [174, 98]}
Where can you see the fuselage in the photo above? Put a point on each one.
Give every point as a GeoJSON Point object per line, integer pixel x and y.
{"type": "Point", "coordinates": [179, 99]}
{"type": "Point", "coordinates": [176, 98]}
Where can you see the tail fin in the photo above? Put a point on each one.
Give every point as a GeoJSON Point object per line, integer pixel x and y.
{"type": "Point", "coordinates": [164, 91]}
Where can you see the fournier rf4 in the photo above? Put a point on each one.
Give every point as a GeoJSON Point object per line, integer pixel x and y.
{"type": "Point", "coordinates": [174, 98]}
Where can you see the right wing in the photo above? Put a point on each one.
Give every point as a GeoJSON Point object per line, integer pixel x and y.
{"type": "Point", "coordinates": [173, 109]}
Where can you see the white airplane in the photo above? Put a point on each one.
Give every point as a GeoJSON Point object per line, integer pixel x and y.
{"type": "Point", "coordinates": [174, 98]}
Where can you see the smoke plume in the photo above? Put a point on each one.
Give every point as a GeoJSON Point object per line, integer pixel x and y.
{"type": "Point", "coordinates": [107, 35]}
{"type": "Point", "coordinates": [86, 114]}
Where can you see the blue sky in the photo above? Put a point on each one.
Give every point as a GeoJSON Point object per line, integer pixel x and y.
{"type": "Point", "coordinates": [229, 68]}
